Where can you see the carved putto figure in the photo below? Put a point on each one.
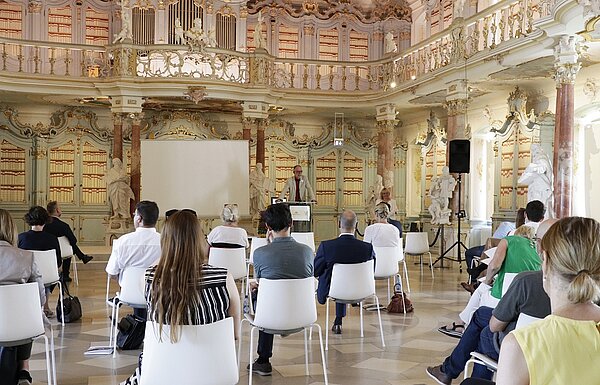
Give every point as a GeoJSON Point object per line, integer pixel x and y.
{"type": "Point", "coordinates": [125, 34]}
{"type": "Point", "coordinates": [390, 45]}
{"type": "Point", "coordinates": [539, 178]}
{"type": "Point", "coordinates": [440, 191]}
{"type": "Point", "coordinates": [119, 192]}
{"type": "Point", "coordinates": [259, 40]}
{"type": "Point", "coordinates": [179, 38]}
{"type": "Point", "coordinates": [260, 186]}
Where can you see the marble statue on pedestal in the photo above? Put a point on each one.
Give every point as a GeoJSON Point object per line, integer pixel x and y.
{"type": "Point", "coordinates": [179, 38]}
{"type": "Point", "coordinates": [372, 197]}
{"type": "Point", "coordinates": [259, 40]}
{"type": "Point", "coordinates": [539, 179]}
{"type": "Point", "coordinates": [126, 34]}
{"type": "Point", "coordinates": [389, 44]}
{"type": "Point", "coordinates": [260, 186]}
{"type": "Point", "coordinates": [440, 192]}
{"type": "Point", "coordinates": [119, 192]}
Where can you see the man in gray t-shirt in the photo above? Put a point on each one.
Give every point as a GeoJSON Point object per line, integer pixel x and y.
{"type": "Point", "coordinates": [282, 258]}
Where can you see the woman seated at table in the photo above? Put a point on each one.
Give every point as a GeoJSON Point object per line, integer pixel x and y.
{"type": "Point", "coordinates": [182, 289]}
{"type": "Point", "coordinates": [229, 235]}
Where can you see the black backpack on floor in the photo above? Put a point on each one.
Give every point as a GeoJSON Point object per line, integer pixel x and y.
{"type": "Point", "coordinates": [131, 332]}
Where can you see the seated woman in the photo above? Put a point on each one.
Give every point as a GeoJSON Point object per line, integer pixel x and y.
{"type": "Point", "coordinates": [381, 233]}
{"type": "Point", "coordinates": [182, 289]}
{"type": "Point", "coordinates": [563, 348]}
{"type": "Point", "coordinates": [229, 235]}
{"type": "Point", "coordinates": [386, 197]}
{"type": "Point", "coordinates": [514, 254]}
{"type": "Point", "coordinates": [38, 239]}
{"type": "Point", "coordinates": [16, 266]}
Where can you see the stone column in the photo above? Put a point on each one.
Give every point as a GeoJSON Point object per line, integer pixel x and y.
{"type": "Point", "coordinates": [386, 120]}
{"type": "Point", "coordinates": [566, 65]}
{"type": "Point", "coordinates": [39, 166]}
{"type": "Point", "coordinates": [117, 152]}
{"type": "Point", "coordinates": [260, 141]}
{"type": "Point", "coordinates": [136, 164]}
{"type": "Point", "coordinates": [255, 114]}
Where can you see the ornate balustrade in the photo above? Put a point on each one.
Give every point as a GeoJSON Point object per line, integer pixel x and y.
{"type": "Point", "coordinates": [464, 39]}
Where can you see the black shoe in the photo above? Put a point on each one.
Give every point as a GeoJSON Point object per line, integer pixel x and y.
{"type": "Point", "coordinates": [24, 378]}
{"type": "Point", "coordinates": [67, 279]}
{"type": "Point", "coordinates": [440, 377]}
{"type": "Point", "coordinates": [86, 258]}
{"type": "Point", "coordinates": [261, 369]}
{"type": "Point", "coordinates": [336, 329]}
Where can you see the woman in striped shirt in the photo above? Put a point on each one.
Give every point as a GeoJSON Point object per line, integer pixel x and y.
{"type": "Point", "coordinates": [182, 289]}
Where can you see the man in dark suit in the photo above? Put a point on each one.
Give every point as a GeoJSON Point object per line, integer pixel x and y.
{"type": "Point", "coordinates": [61, 229]}
{"type": "Point", "coordinates": [344, 249]}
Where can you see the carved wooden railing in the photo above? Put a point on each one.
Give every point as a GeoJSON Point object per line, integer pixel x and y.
{"type": "Point", "coordinates": [463, 39]}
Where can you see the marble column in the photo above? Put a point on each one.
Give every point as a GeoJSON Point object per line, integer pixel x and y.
{"type": "Point", "coordinates": [386, 121]}
{"type": "Point", "coordinates": [566, 65]}
{"type": "Point", "coordinates": [117, 152]}
{"type": "Point", "coordinates": [456, 129]}
{"type": "Point", "coordinates": [260, 141]}
{"type": "Point", "coordinates": [255, 114]}
{"type": "Point", "coordinates": [135, 158]}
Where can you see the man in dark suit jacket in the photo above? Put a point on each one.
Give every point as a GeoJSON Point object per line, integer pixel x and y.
{"type": "Point", "coordinates": [344, 249]}
{"type": "Point", "coordinates": [59, 228]}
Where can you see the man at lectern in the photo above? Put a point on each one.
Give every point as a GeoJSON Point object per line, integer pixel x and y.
{"type": "Point", "coordinates": [298, 187]}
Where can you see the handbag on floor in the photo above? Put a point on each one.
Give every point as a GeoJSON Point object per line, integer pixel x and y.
{"type": "Point", "coordinates": [399, 300]}
{"type": "Point", "coordinates": [71, 307]}
{"type": "Point", "coordinates": [131, 332]}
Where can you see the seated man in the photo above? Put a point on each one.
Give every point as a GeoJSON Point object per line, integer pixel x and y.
{"type": "Point", "coordinates": [344, 249]}
{"type": "Point", "coordinates": [381, 233]}
{"type": "Point", "coordinates": [489, 326]}
{"type": "Point", "coordinates": [60, 229]}
{"type": "Point", "coordinates": [138, 249]}
{"type": "Point", "coordinates": [282, 258]}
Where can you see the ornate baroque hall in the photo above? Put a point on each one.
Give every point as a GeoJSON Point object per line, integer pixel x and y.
{"type": "Point", "coordinates": [363, 94]}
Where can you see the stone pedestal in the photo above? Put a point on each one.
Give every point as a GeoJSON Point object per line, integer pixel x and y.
{"type": "Point", "coordinates": [115, 227]}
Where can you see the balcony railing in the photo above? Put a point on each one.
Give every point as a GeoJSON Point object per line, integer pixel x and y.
{"type": "Point", "coordinates": [464, 39]}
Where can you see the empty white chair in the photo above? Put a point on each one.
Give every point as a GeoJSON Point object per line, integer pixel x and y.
{"type": "Point", "coordinates": [48, 267]}
{"type": "Point", "coordinates": [418, 244]}
{"type": "Point", "coordinates": [203, 355]}
{"type": "Point", "coordinates": [403, 260]}
{"type": "Point", "coordinates": [353, 283]}
{"type": "Point", "coordinates": [386, 264]}
{"type": "Point", "coordinates": [21, 321]}
{"type": "Point", "coordinates": [234, 260]}
{"type": "Point", "coordinates": [66, 252]}
{"type": "Point", "coordinates": [131, 294]}
{"type": "Point", "coordinates": [307, 239]}
{"type": "Point", "coordinates": [277, 313]}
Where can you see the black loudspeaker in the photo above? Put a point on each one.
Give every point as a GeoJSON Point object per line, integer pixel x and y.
{"type": "Point", "coordinates": [460, 151]}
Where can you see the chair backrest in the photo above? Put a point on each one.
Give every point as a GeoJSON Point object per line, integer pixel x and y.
{"type": "Point", "coordinates": [525, 319]}
{"type": "Point", "coordinates": [416, 243]}
{"type": "Point", "coordinates": [66, 250]}
{"type": "Point", "coordinates": [132, 286]}
{"type": "Point", "coordinates": [20, 312]}
{"type": "Point", "coordinates": [508, 279]}
{"type": "Point", "coordinates": [285, 304]}
{"type": "Point", "coordinates": [401, 254]}
{"type": "Point", "coordinates": [234, 260]}
{"type": "Point", "coordinates": [352, 281]}
{"type": "Point", "coordinates": [203, 355]}
{"type": "Point", "coordinates": [256, 243]}
{"type": "Point", "coordinates": [46, 263]}
{"type": "Point", "coordinates": [386, 261]}
{"type": "Point", "coordinates": [307, 239]}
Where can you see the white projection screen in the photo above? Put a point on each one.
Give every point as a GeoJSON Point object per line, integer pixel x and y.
{"type": "Point", "coordinates": [198, 174]}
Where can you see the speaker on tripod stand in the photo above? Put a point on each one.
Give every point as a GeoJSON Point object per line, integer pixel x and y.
{"type": "Point", "coordinates": [459, 163]}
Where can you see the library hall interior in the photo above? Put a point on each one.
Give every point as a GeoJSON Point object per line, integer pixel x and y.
{"type": "Point", "coordinates": [299, 192]}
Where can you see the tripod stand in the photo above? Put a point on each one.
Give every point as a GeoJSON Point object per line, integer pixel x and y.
{"type": "Point", "coordinates": [458, 243]}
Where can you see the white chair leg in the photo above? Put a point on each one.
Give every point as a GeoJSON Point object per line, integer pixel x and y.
{"type": "Point", "coordinates": [115, 320]}
{"type": "Point", "coordinates": [360, 305]}
{"type": "Point", "coordinates": [406, 276]}
{"type": "Point", "coordinates": [431, 264]}
{"type": "Point", "coordinates": [322, 353]}
{"type": "Point", "coordinates": [402, 296]}
{"type": "Point", "coordinates": [239, 352]}
{"type": "Point", "coordinates": [250, 356]}
{"type": "Point", "coordinates": [75, 270]}
{"type": "Point", "coordinates": [53, 356]}
{"type": "Point", "coordinates": [421, 263]}
{"type": "Point", "coordinates": [48, 362]}
{"type": "Point", "coordinates": [327, 324]}
{"type": "Point", "coordinates": [388, 285]}
{"type": "Point", "coordinates": [62, 308]}
{"type": "Point", "coordinates": [306, 352]}
{"type": "Point", "coordinates": [380, 324]}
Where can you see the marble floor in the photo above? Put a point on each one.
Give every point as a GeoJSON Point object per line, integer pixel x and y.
{"type": "Point", "coordinates": [412, 342]}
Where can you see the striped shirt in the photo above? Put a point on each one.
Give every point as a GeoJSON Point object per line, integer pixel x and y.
{"type": "Point", "coordinates": [210, 304]}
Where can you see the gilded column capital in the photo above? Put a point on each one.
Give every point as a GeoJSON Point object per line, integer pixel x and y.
{"type": "Point", "coordinates": [34, 6]}
{"type": "Point", "coordinates": [566, 59]}
{"type": "Point", "coordinates": [117, 118]}
{"type": "Point", "coordinates": [385, 126]}
{"type": "Point", "coordinates": [456, 106]}
{"type": "Point", "coordinates": [136, 119]}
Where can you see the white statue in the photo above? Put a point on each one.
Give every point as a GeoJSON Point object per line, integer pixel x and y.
{"type": "Point", "coordinates": [458, 8]}
{"type": "Point", "coordinates": [179, 38]}
{"type": "Point", "coordinates": [440, 191]}
{"type": "Point", "coordinates": [119, 192]}
{"type": "Point", "coordinates": [260, 186]}
{"type": "Point", "coordinates": [259, 40]}
{"type": "Point", "coordinates": [196, 35]}
{"type": "Point", "coordinates": [125, 34]}
{"type": "Point", "coordinates": [373, 197]}
{"type": "Point", "coordinates": [389, 44]}
{"type": "Point", "coordinates": [539, 179]}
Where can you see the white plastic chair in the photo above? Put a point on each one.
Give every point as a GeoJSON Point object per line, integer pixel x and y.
{"type": "Point", "coordinates": [203, 355]}
{"type": "Point", "coordinates": [482, 359]}
{"type": "Point", "coordinates": [255, 244]}
{"type": "Point", "coordinates": [46, 263]}
{"type": "Point", "coordinates": [66, 252]}
{"type": "Point", "coordinates": [386, 264]}
{"type": "Point", "coordinates": [234, 260]}
{"type": "Point", "coordinates": [402, 259]}
{"type": "Point", "coordinates": [307, 239]}
{"type": "Point", "coordinates": [418, 244]}
{"type": "Point", "coordinates": [277, 313]}
{"type": "Point", "coordinates": [22, 323]}
{"type": "Point", "coordinates": [131, 294]}
{"type": "Point", "coordinates": [507, 281]}
{"type": "Point", "coordinates": [353, 283]}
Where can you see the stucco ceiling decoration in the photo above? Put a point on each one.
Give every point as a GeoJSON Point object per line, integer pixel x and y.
{"type": "Point", "coordinates": [366, 11]}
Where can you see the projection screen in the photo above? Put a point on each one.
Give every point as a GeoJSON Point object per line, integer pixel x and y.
{"type": "Point", "coordinates": [199, 174]}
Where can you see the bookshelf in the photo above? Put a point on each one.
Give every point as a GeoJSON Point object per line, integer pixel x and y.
{"type": "Point", "coordinates": [61, 171]}
{"type": "Point", "coordinates": [326, 179]}
{"type": "Point", "coordinates": [12, 173]}
{"type": "Point", "coordinates": [283, 167]}
{"type": "Point", "coordinates": [353, 180]}
{"type": "Point", "coordinates": [96, 27]}
{"type": "Point", "coordinates": [359, 46]}
{"type": "Point", "coordinates": [288, 41]}
{"type": "Point", "coordinates": [11, 20]}
{"type": "Point", "coordinates": [60, 25]}
{"type": "Point", "coordinates": [93, 169]}
{"type": "Point", "coordinates": [328, 44]}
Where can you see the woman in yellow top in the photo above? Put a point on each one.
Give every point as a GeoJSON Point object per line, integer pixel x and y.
{"type": "Point", "coordinates": [563, 348]}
